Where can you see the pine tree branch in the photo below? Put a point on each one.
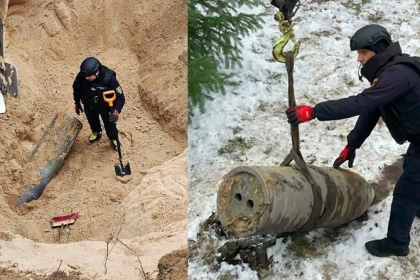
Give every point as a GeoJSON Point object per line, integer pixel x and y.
{"type": "Point", "coordinates": [215, 31]}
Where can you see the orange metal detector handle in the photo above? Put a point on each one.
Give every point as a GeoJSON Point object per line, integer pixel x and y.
{"type": "Point", "coordinates": [109, 96]}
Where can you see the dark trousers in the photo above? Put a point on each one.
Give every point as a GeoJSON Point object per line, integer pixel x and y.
{"type": "Point", "coordinates": [92, 115]}
{"type": "Point", "coordinates": [406, 201]}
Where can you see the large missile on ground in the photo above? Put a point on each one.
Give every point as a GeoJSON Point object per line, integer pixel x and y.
{"type": "Point", "coordinates": [48, 156]}
{"type": "Point", "coordinates": [256, 200]}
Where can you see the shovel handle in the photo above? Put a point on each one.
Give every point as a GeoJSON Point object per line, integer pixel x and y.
{"type": "Point", "coordinates": [109, 97]}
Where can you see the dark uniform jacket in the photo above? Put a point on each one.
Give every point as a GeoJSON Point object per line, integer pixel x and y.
{"type": "Point", "coordinates": [394, 95]}
{"type": "Point", "coordinates": [90, 93]}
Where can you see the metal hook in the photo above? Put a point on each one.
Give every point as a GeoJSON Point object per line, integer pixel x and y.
{"type": "Point", "coordinates": [286, 27]}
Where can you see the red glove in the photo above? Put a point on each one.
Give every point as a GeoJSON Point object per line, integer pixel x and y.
{"type": "Point", "coordinates": [300, 114]}
{"type": "Point", "coordinates": [346, 154]}
{"type": "Point", "coordinates": [113, 117]}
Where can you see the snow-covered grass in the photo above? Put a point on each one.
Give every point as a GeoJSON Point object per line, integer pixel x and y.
{"type": "Point", "coordinates": [247, 126]}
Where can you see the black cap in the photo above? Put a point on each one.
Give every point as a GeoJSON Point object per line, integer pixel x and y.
{"type": "Point", "coordinates": [372, 37]}
{"type": "Point", "coordinates": [89, 66]}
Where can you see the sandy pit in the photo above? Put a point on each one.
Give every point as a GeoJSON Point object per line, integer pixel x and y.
{"type": "Point", "coordinates": [125, 222]}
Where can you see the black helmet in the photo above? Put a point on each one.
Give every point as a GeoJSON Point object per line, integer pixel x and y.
{"type": "Point", "coordinates": [368, 36]}
{"type": "Point", "coordinates": [89, 66]}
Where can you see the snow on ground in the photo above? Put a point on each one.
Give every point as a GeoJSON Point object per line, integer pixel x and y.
{"type": "Point", "coordinates": [324, 69]}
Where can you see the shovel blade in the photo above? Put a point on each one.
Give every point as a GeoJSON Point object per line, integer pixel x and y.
{"type": "Point", "coordinates": [122, 170]}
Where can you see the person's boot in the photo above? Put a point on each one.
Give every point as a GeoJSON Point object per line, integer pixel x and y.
{"type": "Point", "coordinates": [114, 144]}
{"type": "Point", "coordinates": [95, 136]}
{"type": "Point", "coordinates": [386, 247]}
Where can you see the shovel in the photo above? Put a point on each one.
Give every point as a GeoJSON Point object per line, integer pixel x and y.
{"type": "Point", "coordinates": [120, 170]}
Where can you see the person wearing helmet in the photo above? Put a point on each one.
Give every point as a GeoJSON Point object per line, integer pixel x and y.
{"type": "Point", "coordinates": [92, 80]}
{"type": "Point", "coordinates": [393, 95]}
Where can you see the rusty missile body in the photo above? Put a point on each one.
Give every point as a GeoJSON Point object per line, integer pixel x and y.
{"type": "Point", "coordinates": [256, 200]}
{"type": "Point", "coordinates": [48, 155]}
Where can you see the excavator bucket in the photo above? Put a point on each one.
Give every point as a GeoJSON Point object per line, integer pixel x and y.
{"type": "Point", "coordinates": [8, 72]}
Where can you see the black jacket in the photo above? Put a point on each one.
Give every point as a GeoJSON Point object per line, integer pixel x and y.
{"type": "Point", "coordinates": [90, 93]}
{"type": "Point", "coordinates": [395, 89]}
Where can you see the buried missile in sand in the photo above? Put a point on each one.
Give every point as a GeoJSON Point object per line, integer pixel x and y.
{"type": "Point", "coordinates": [48, 156]}
{"type": "Point", "coordinates": [257, 200]}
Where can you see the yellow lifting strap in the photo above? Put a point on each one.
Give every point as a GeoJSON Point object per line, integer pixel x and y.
{"type": "Point", "coordinates": [286, 27]}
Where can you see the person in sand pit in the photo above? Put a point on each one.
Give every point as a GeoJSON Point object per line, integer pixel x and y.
{"type": "Point", "coordinates": [89, 85]}
{"type": "Point", "coordinates": [393, 95]}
